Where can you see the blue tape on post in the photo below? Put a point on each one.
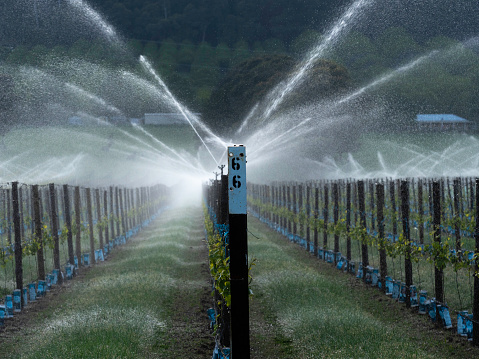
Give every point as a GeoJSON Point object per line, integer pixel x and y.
{"type": "Point", "coordinates": [237, 180]}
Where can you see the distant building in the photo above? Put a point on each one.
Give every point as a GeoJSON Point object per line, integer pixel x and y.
{"type": "Point", "coordinates": [443, 122]}
{"type": "Point", "coordinates": [164, 119]}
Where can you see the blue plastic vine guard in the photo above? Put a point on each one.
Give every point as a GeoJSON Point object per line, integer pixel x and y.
{"type": "Point", "coordinates": [17, 300]}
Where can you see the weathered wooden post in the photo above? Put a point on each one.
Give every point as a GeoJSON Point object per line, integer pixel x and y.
{"type": "Point", "coordinates": [290, 209]}
{"type": "Point", "coordinates": [18, 238]}
{"type": "Point", "coordinates": [78, 224]}
{"type": "Point", "coordinates": [295, 211]}
{"type": "Point", "coordinates": [348, 221]}
{"type": "Point", "coordinates": [68, 222]}
{"type": "Point", "coordinates": [285, 219]}
{"type": "Point", "coordinates": [382, 245]}
{"type": "Point", "coordinates": [117, 212]}
{"type": "Point", "coordinates": [9, 216]}
{"type": "Point", "coordinates": [336, 218]}
{"type": "Point", "coordinates": [38, 231]}
{"type": "Point", "coordinates": [112, 214]}
{"type": "Point", "coordinates": [308, 215]}
{"type": "Point", "coordinates": [475, 310]}
{"type": "Point", "coordinates": [325, 215]}
{"type": "Point", "coordinates": [392, 194]}
{"type": "Point", "coordinates": [371, 204]}
{"type": "Point", "coordinates": [407, 239]}
{"type": "Point", "coordinates": [238, 243]}
{"type": "Point", "coordinates": [105, 214]}
{"type": "Point", "coordinates": [90, 226]}
{"type": "Point", "coordinates": [362, 219]}
{"type": "Point", "coordinates": [438, 272]}
{"type": "Point", "coordinates": [316, 217]}
{"type": "Point", "coordinates": [98, 214]}
{"type": "Point", "coordinates": [457, 215]}
{"type": "Point", "coordinates": [420, 206]}
{"type": "Point", "coordinates": [54, 224]}
{"type": "Point", "coordinates": [124, 223]}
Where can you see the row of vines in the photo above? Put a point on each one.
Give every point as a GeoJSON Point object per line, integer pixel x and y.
{"type": "Point", "coordinates": [217, 236]}
{"type": "Point", "coordinates": [422, 233]}
{"type": "Point", "coordinates": [60, 228]}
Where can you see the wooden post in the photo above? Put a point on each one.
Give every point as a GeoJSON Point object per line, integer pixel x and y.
{"type": "Point", "coordinates": [98, 215]}
{"type": "Point", "coordinates": [105, 214]}
{"type": "Point", "coordinates": [133, 208]}
{"type": "Point", "coordinates": [290, 209]}
{"type": "Point", "coordinates": [122, 212]}
{"type": "Point", "coordinates": [348, 221]}
{"type": "Point", "coordinates": [420, 210]}
{"type": "Point", "coordinates": [383, 264]}
{"type": "Point", "coordinates": [68, 222]}
{"type": "Point", "coordinates": [316, 216]}
{"type": "Point", "coordinates": [54, 220]}
{"type": "Point", "coordinates": [438, 272]}
{"type": "Point", "coordinates": [117, 206]}
{"type": "Point", "coordinates": [336, 218]}
{"type": "Point", "coordinates": [475, 327]}
{"type": "Point", "coordinates": [456, 214]}
{"type": "Point", "coordinates": [9, 216]}
{"type": "Point", "coordinates": [371, 192]}
{"type": "Point", "coordinates": [38, 231]}
{"type": "Point", "coordinates": [392, 195]}
{"type": "Point", "coordinates": [90, 225]}
{"type": "Point", "coordinates": [325, 215]}
{"type": "Point", "coordinates": [78, 224]}
{"type": "Point", "coordinates": [18, 238]}
{"type": "Point", "coordinates": [407, 239]}
{"type": "Point", "coordinates": [299, 210]}
{"type": "Point", "coordinates": [285, 206]}
{"type": "Point", "coordinates": [362, 219]}
{"type": "Point", "coordinates": [308, 215]}
{"type": "Point", "coordinates": [20, 208]}
{"type": "Point", "coordinates": [295, 211]}
{"type": "Point", "coordinates": [112, 214]}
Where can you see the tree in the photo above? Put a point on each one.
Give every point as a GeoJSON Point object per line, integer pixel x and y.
{"type": "Point", "coordinates": [304, 42]}
{"type": "Point", "coordinates": [397, 46]}
{"type": "Point", "coordinates": [17, 55]}
{"type": "Point", "coordinates": [204, 63]}
{"type": "Point", "coordinates": [7, 103]}
{"type": "Point", "coordinates": [167, 57]}
{"type": "Point", "coordinates": [253, 79]}
{"type": "Point", "coordinates": [274, 45]}
{"type": "Point", "coordinates": [361, 56]}
{"type": "Point", "coordinates": [186, 55]}
{"type": "Point", "coordinates": [223, 56]}
{"type": "Point", "coordinates": [248, 82]}
{"type": "Point", "coordinates": [240, 53]}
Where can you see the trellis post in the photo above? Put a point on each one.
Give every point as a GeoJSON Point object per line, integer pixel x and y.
{"type": "Point", "coordinates": [238, 244]}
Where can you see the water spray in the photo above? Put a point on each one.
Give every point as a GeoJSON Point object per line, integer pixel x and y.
{"type": "Point", "coordinates": [148, 66]}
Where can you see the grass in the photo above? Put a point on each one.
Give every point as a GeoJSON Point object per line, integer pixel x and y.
{"type": "Point", "coordinates": [148, 301]}
{"type": "Point", "coordinates": [322, 313]}
{"type": "Point", "coordinates": [125, 307]}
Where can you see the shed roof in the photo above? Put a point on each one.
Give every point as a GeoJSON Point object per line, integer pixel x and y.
{"type": "Point", "coordinates": [440, 118]}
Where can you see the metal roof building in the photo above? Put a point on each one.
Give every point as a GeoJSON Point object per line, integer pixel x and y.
{"type": "Point", "coordinates": [443, 122]}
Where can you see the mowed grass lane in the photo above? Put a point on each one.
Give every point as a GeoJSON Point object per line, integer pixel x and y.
{"type": "Point", "coordinates": [312, 310]}
{"type": "Point", "coordinates": [147, 301]}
